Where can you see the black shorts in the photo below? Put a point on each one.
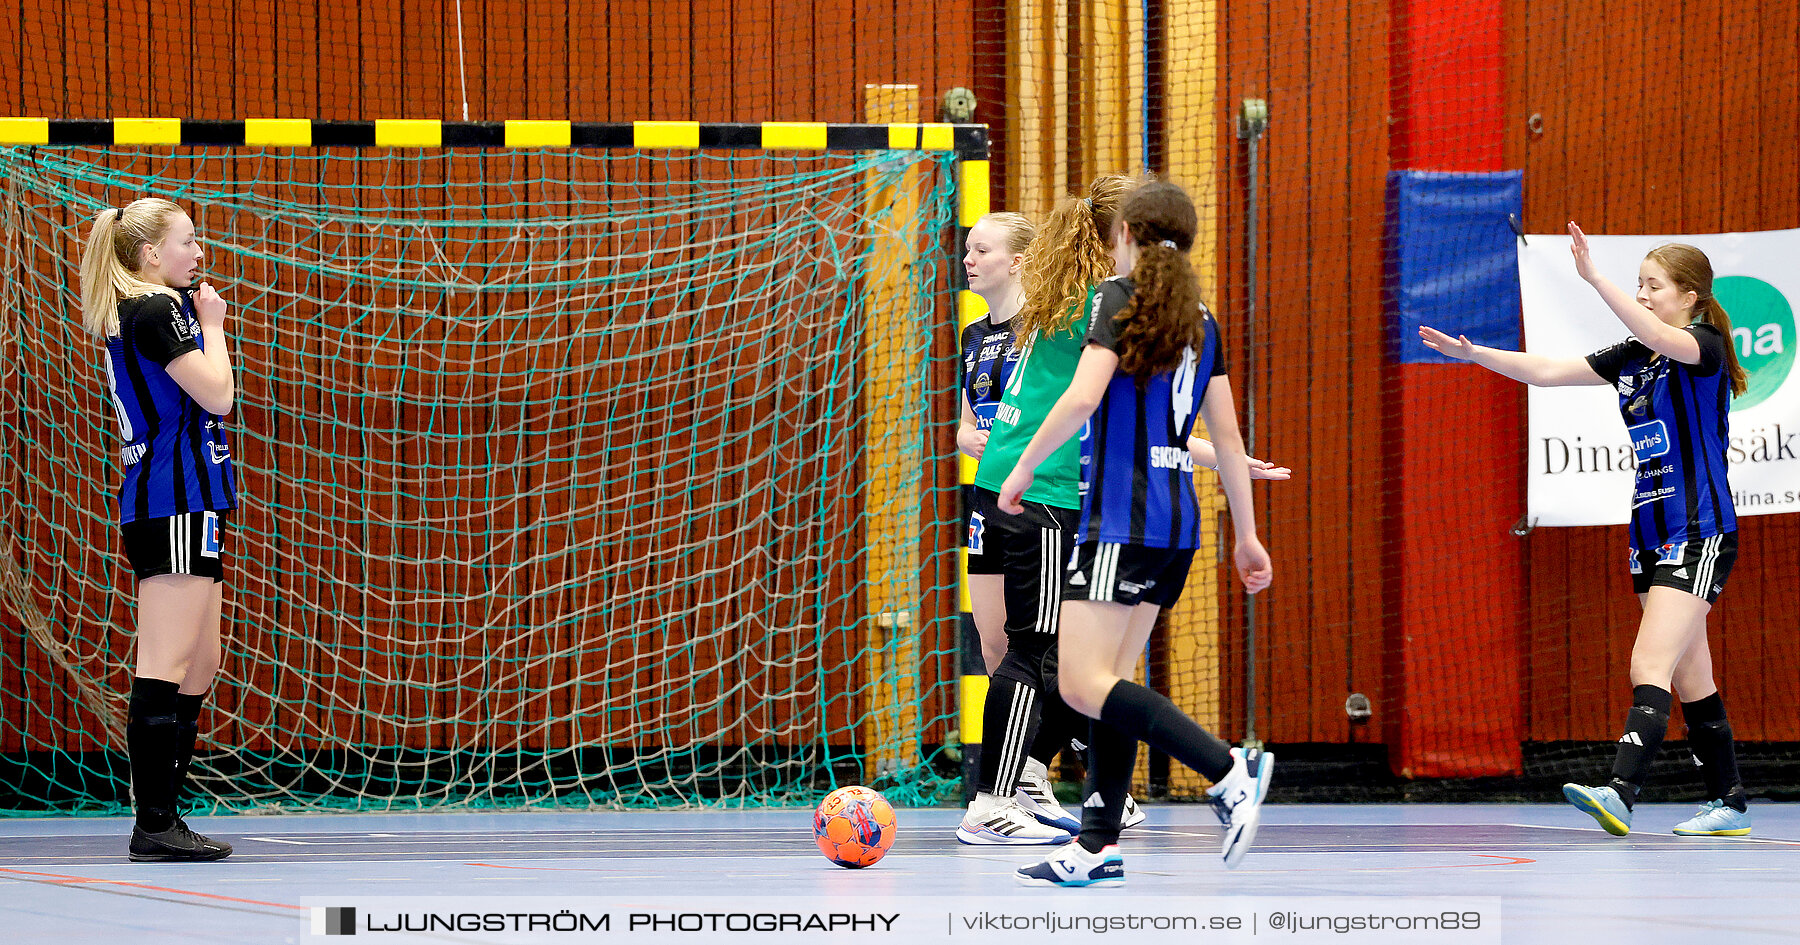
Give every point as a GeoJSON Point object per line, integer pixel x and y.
{"type": "Point", "coordinates": [1027, 550]}
{"type": "Point", "coordinates": [1127, 574]}
{"type": "Point", "coordinates": [1697, 567]}
{"type": "Point", "coordinates": [191, 543]}
{"type": "Point", "coordinates": [975, 532]}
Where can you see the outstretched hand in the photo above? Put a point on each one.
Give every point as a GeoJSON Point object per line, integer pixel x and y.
{"type": "Point", "coordinates": [1263, 469]}
{"type": "Point", "coordinates": [1460, 347]}
{"type": "Point", "coordinates": [1578, 247]}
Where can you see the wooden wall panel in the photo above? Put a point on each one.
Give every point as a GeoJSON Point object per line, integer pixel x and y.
{"type": "Point", "coordinates": [1277, 377]}
{"type": "Point", "coordinates": [590, 88]}
{"type": "Point", "coordinates": [764, 60]}
{"type": "Point", "coordinates": [1364, 441]}
{"type": "Point", "coordinates": [1773, 539]}
{"type": "Point", "coordinates": [796, 60]}
{"type": "Point", "coordinates": [1631, 141]}
{"type": "Point", "coordinates": [1329, 508]}
{"type": "Point", "coordinates": [1315, 357]}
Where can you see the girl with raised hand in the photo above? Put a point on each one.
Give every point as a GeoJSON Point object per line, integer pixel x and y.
{"type": "Point", "coordinates": [1675, 378]}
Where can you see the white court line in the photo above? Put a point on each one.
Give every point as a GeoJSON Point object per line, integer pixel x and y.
{"type": "Point", "coordinates": [613, 864]}
{"type": "Point", "coordinates": [588, 856]}
{"type": "Point", "coordinates": [1589, 829]}
{"type": "Point", "coordinates": [1670, 838]}
{"type": "Point", "coordinates": [648, 832]}
{"type": "Point", "coordinates": [527, 839]}
{"type": "Point", "coordinates": [610, 867]}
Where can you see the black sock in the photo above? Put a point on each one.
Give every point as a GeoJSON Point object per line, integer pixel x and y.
{"type": "Point", "coordinates": [1112, 755]}
{"type": "Point", "coordinates": [187, 732]}
{"type": "Point", "coordinates": [1009, 721]}
{"type": "Point", "coordinates": [1142, 713]}
{"type": "Point", "coordinates": [150, 736]}
{"type": "Point", "coordinates": [1059, 725]}
{"type": "Point", "coordinates": [1709, 737]}
{"type": "Point", "coordinates": [1645, 726]}
{"type": "Point", "coordinates": [187, 707]}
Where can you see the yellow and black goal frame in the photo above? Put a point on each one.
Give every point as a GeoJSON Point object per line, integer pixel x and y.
{"type": "Point", "coordinates": [890, 724]}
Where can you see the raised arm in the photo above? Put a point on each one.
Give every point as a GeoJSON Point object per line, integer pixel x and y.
{"type": "Point", "coordinates": [1657, 335]}
{"type": "Point", "coordinates": [1533, 369]}
{"type": "Point", "coordinates": [207, 375]}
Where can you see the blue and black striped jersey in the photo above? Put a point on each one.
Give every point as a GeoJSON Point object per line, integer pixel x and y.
{"type": "Point", "coordinates": [1677, 417]}
{"type": "Point", "coordinates": [1140, 483]}
{"type": "Point", "coordinates": [988, 359]}
{"type": "Point", "coordinates": [176, 457]}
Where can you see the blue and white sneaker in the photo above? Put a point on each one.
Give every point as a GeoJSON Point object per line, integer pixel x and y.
{"type": "Point", "coordinates": [1603, 804]}
{"type": "Point", "coordinates": [1074, 866]}
{"type": "Point", "coordinates": [1036, 797]}
{"type": "Point", "coordinates": [1237, 800]}
{"type": "Point", "coordinates": [1715, 819]}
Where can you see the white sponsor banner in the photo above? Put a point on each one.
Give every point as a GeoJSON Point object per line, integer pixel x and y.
{"type": "Point", "coordinates": [1580, 464]}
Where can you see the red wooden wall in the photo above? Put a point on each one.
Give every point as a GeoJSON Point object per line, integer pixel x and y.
{"type": "Point", "coordinates": [1635, 138]}
{"type": "Point", "coordinates": [707, 60]}
{"type": "Point", "coordinates": [1323, 399]}
{"type": "Point", "coordinates": [625, 60]}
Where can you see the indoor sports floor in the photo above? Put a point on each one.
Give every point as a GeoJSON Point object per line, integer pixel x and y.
{"type": "Point", "coordinates": [1560, 879]}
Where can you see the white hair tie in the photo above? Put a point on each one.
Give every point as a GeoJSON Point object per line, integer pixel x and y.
{"type": "Point", "coordinates": [1169, 243]}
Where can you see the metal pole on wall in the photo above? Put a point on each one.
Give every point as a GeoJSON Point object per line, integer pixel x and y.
{"type": "Point", "coordinates": [1253, 121]}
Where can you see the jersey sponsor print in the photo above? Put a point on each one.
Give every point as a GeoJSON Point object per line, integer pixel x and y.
{"type": "Point", "coordinates": [1676, 415]}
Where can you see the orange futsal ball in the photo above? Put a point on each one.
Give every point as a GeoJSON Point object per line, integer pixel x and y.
{"type": "Point", "coordinates": [854, 827]}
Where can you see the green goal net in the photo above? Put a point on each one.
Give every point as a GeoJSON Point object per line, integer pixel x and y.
{"type": "Point", "coordinates": [570, 477]}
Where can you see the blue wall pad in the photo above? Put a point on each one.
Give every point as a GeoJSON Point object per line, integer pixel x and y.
{"type": "Point", "coordinates": [1452, 259]}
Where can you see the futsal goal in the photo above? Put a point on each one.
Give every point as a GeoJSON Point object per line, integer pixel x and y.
{"type": "Point", "coordinates": [581, 464]}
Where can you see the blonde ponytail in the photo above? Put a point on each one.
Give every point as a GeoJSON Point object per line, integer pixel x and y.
{"type": "Point", "coordinates": [110, 259]}
{"type": "Point", "coordinates": [1070, 254]}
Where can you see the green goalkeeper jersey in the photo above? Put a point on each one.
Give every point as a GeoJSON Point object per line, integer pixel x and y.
{"type": "Point", "coordinates": [1038, 380]}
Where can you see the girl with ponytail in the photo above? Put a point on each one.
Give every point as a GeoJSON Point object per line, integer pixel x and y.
{"type": "Point", "coordinates": [1675, 377]}
{"type": "Point", "coordinates": [1016, 561]}
{"type": "Point", "coordinates": [169, 370]}
{"type": "Point", "coordinates": [1068, 256]}
{"type": "Point", "coordinates": [1152, 363]}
